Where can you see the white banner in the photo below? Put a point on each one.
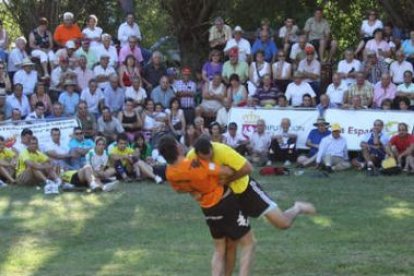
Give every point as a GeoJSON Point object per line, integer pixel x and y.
{"type": "Point", "coordinates": [41, 129]}
{"type": "Point", "coordinates": [354, 123]}
{"type": "Point", "coordinates": [301, 121]}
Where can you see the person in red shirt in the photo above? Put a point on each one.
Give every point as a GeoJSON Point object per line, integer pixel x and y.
{"type": "Point", "coordinates": [401, 145]}
{"type": "Point", "coordinates": [66, 31]}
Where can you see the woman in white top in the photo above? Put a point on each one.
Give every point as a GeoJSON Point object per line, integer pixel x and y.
{"type": "Point", "coordinates": [176, 119]}
{"type": "Point", "coordinates": [214, 93]}
{"type": "Point", "coordinates": [92, 31]}
{"type": "Point", "coordinates": [282, 71]}
{"type": "Point", "coordinates": [257, 70]}
{"type": "Point", "coordinates": [367, 29]}
{"type": "Point", "coordinates": [136, 93]}
{"type": "Point", "coordinates": [98, 158]}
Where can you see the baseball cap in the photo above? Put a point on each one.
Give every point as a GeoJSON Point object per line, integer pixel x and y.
{"type": "Point", "coordinates": [336, 127]}
{"type": "Point", "coordinates": [234, 52]}
{"type": "Point", "coordinates": [238, 29]}
{"type": "Point", "coordinates": [186, 70]}
{"type": "Point", "coordinates": [70, 44]}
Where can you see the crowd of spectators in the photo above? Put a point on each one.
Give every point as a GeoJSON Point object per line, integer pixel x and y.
{"type": "Point", "coordinates": [124, 104]}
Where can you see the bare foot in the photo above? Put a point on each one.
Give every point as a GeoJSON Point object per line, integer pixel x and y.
{"type": "Point", "coordinates": [305, 207]}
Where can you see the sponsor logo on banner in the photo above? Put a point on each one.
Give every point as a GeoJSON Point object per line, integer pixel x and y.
{"type": "Point", "coordinates": [249, 124]}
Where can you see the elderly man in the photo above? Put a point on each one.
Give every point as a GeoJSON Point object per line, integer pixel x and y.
{"type": "Point", "coordinates": [384, 89]}
{"type": "Point", "coordinates": [348, 67]}
{"type": "Point", "coordinates": [297, 53]}
{"type": "Point", "coordinates": [16, 57]}
{"type": "Point", "coordinates": [399, 67]}
{"type": "Point", "coordinates": [83, 73]}
{"type": "Point", "coordinates": [88, 52]}
{"type": "Point", "coordinates": [163, 93]}
{"type": "Point", "coordinates": [283, 145]}
{"type": "Point", "coordinates": [235, 66]}
{"type": "Point", "coordinates": [26, 76]}
{"type": "Point", "coordinates": [66, 31]}
{"type": "Point", "coordinates": [56, 151]}
{"type": "Point", "coordinates": [114, 95]}
{"type": "Point", "coordinates": [153, 71]}
{"type": "Point", "coordinates": [265, 44]}
{"type": "Point", "coordinates": [333, 151]}
{"type": "Point", "coordinates": [93, 97]}
{"type": "Point", "coordinates": [57, 111]}
{"type": "Point", "coordinates": [223, 114]}
{"type": "Point", "coordinates": [109, 126]}
{"type": "Point", "coordinates": [127, 29]}
{"type": "Point", "coordinates": [296, 89]}
{"type": "Point", "coordinates": [69, 98]}
{"type": "Point", "coordinates": [18, 100]}
{"type": "Point", "coordinates": [337, 89]}
{"type": "Point", "coordinates": [406, 89]}
{"type": "Point", "coordinates": [107, 49]}
{"type": "Point", "coordinates": [102, 71]}
{"type": "Point", "coordinates": [361, 88]}
{"type": "Point", "coordinates": [401, 145]}
{"type": "Point", "coordinates": [259, 144]}
{"type": "Point", "coordinates": [310, 68]}
{"type": "Point", "coordinates": [373, 67]}
{"type": "Point", "coordinates": [240, 43]}
{"type": "Point", "coordinates": [131, 48]}
{"type": "Point", "coordinates": [219, 34]}
{"type": "Point", "coordinates": [325, 103]}
{"type": "Point", "coordinates": [87, 121]}
{"type": "Point", "coordinates": [67, 53]}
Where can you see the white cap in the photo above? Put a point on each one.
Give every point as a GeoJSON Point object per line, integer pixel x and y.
{"type": "Point", "coordinates": [238, 29]}
{"type": "Point", "coordinates": [70, 44]}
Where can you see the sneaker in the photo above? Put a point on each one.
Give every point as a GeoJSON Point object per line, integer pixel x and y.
{"type": "Point", "coordinates": [287, 163]}
{"type": "Point", "coordinates": [2, 184]}
{"type": "Point", "coordinates": [51, 188]}
{"type": "Point", "coordinates": [110, 186]}
{"type": "Point", "coordinates": [67, 186]}
{"type": "Point", "coordinates": [158, 179]}
{"type": "Point", "coordinates": [269, 163]}
{"type": "Point", "coordinates": [58, 181]}
{"type": "Point", "coordinates": [95, 187]}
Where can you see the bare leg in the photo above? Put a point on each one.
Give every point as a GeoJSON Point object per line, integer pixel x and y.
{"type": "Point", "coordinates": [217, 262]}
{"type": "Point", "coordinates": [284, 220]}
{"type": "Point", "coordinates": [39, 175]}
{"type": "Point", "coordinates": [86, 175]}
{"type": "Point", "coordinates": [5, 173]}
{"type": "Point", "coordinates": [359, 48]}
{"type": "Point", "coordinates": [146, 169]}
{"type": "Point", "coordinates": [247, 246]}
{"type": "Point", "coordinates": [137, 170]}
{"type": "Point", "coordinates": [231, 254]}
{"type": "Point", "coordinates": [332, 51]}
{"type": "Point", "coordinates": [44, 67]}
{"type": "Point", "coordinates": [322, 46]}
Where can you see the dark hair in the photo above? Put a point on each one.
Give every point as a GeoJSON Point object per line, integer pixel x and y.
{"type": "Point", "coordinates": [167, 147]}
{"type": "Point", "coordinates": [232, 125]}
{"type": "Point", "coordinates": [26, 131]}
{"type": "Point", "coordinates": [106, 108]}
{"type": "Point", "coordinates": [77, 128]}
{"type": "Point", "coordinates": [130, 56]}
{"type": "Point", "coordinates": [33, 138]}
{"type": "Point", "coordinates": [121, 136]}
{"type": "Point", "coordinates": [378, 30]}
{"type": "Point", "coordinates": [54, 129]}
{"type": "Point", "coordinates": [234, 77]}
{"type": "Point", "coordinates": [306, 95]}
{"type": "Point", "coordinates": [282, 96]}
{"type": "Point", "coordinates": [1, 139]}
{"type": "Point", "coordinates": [174, 99]}
{"type": "Point", "coordinates": [39, 104]}
{"type": "Point", "coordinates": [189, 140]}
{"type": "Point", "coordinates": [203, 145]}
{"type": "Point", "coordinates": [403, 99]}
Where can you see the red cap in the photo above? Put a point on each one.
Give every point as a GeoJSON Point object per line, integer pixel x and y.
{"type": "Point", "coordinates": [234, 52]}
{"type": "Point", "coordinates": [186, 70]}
{"type": "Point", "coordinates": [309, 49]}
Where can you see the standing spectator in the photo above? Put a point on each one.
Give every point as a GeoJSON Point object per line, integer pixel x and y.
{"type": "Point", "coordinates": [114, 95]}
{"type": "Point", "coordinates": [348, 67]}
{"type": "Point", "coordinates": [378, 45]}
{"type": "Point", "coordinates": [186, 91]}
{"type": "Point", "coordinates": [374, 67]}
{"type": "Point", "coordinates": [86, 120]}
{"type": "Point", "coordinates": [107, 49]}
{"type": "Point", "coordinates": [235, 66]}
{"type": "Point", "coordinates": [131, 48]}
{"type": "Point", "coordinates": [319, 34]}
{"type": "Point", "coordinates": [40, 95]}
{"type": "Point", "coordinates": [240, 43]}
{"type": "Point", "coordinates": [88, 52]}
{"type": "Point", "coordinates": [236, 92]}
{"type": "Point", "coordinates": [333, 151]}
{"type": "Point", "coordinates": [4, 42]}
{"type": "Point", "coordinates": [26, 76]}
{"type": "Point", "coordinates": [337, 90]}
{"type": "Point", "coordinates": [16, 57]}
{"type": "Point", "coordinates": [223, 114]}
{"type": "Point", "coordinates": [401, 145]}
{"type": "Point", "coordinates": [41, 44]}
{"type": "Point", "coordinates": [310, 68]}
{"type": "Point", "coordinates": [235, 140]}
{"type": "Point", "coordinates": [79, 147]}
{"type": "Point", "coordinates": [102, 71]}
{"type": "Point", "coordinates": [93, 97]}
{"type": "Point", "coordinates": [127, 29]}
{"type": "Point", "coordinates": [17, 101]}
{"type": "Point", "coordinates": [92, 31]}
{"type": "Point", "coordinates": [83, 73]}
{"type": "Point", "coordinates": [153, 71]}
{"type": "Point", "coordinates": [399, 67]}
{"type": "Point", "coordinates": [298, 88]}
{"type": "Point", "coordinates": [288, 34]}
{"type": "Point", "coordinates": [128, 70]}
{"type": "Point", "coordinates": [109, 126]}
{"type": "Point", "coordinates": [163, 93]}
{"type": "Point", "coordinates": [282, 71]}
{"type": "Point", "coordinates": [212, 67]}
{"type": "Point", "coordinates": [259, 144]}
{"type": "Point", "coordinates": [283, 145]}
{"type": "Point", "coordinates": [406, 89]}
{"type": "Point", "coordinates": [219, 34]}
{"type": "Point", "coordinates": [258, 69]}
{"type": "Point", "coordinates": [213, 95]}
{"type": "Point", "coordinates": [361, 88]}
{"type": "Point", "coordinates": [367, 29]}
{"type": "Point", "coordinates": [69, 98]}
{"type": "Point", "coordinates": [136, 93]}
{"type": "Point", "coordinates": [384, 89]}
{"type": "Point", "coordinates": [266, 45]}
{"type": "Point", "coordinates": [66, 31]}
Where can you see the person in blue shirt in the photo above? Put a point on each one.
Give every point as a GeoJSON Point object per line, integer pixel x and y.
{"type": "Point", "coordinates": [114, 95]}
{"type": "Point", "coordinates": [79, 147]}
{"type": "Point", "coordinates": [267, 45]}
{"type": "Point", "coordinates": [314, 138]}
{"type": "Point", "coordinates": [69, 98]}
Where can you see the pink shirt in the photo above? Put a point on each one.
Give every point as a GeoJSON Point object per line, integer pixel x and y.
{"type": "Point", "coordinates": [126, 50]}
{"type": "Point", "coordinates": [374, 46]}
{"type": "Point", "coordinates": [382, 93]}
{"type": "Point", "coordinates": [83, 77]}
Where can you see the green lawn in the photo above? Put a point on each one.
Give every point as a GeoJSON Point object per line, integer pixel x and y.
{"type": "Point", "coordinates": [365, 226]}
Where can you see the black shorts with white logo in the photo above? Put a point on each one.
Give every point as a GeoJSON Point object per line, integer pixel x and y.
{"type": "Point", "coordinates": [254, 201]}
{"type": "Point", "coordinates": [226, 220]}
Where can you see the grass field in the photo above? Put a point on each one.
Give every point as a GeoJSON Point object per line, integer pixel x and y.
{"type": "Point", "coordinates": [365, 226]}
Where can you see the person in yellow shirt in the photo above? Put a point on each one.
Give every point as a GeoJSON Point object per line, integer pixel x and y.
{"type": "Point", "coordinates": [7, 164]}
{"type": "Point", "coordinates": [34, 167]}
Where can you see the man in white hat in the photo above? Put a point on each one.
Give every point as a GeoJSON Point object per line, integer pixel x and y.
{"type": "Point", "coordinates": [26, 76]}
{"type": "Point", "coordinates": [241, 43]}
{"type": "Point", "coordinates": [68, 52]}
{"type": "Point", "coordinates": [68, 98]}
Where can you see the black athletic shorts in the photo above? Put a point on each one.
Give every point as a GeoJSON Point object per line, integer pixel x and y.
{"type": "Point", "coordinates": [254, 201]}
{"type": "Point", "coordinates": [226, 220]}
{"type": "Point", "coordinates": [76, 181]}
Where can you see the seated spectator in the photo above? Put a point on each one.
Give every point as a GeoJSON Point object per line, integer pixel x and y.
{"type": "Point", "coordinates": [143, 148]}
{"type": "Point", "coordinates": [186, 92]}
{"type": "Point", "coordinates": [109, 126]}
{"type": "Point", "coordinates": [235, 66]}
{"type": "Point", "coordinates": [114, 95]}
{"type": "Point", "coordinates": [58, 153]}
{"type": "Point", "coordinates": [348, 68]}
{"type": "Point", "coordinates": [213, 95]}
{"type": "Point", "coordinates": [282, 71]}
{"type": "Point", "coordinates": [8, 161]}
{"type": "Point", "coordinates": [127, 29]}
{"type": "Point", "coordinates": [288, 34]}
{"type": "Point", "coordinates": [130, 49]}
{"type": "Point", "coordinates": [61, 73]}
{"type": "Point", "coordinates": [258, 69]}
{"type": "Point", "coordinates": [98, 159]}
{"type": "Point", "coordinates": [79, 146]}
{"type": "Point", "coordinates": [298, 88]}
{"type": "Point", "coordinates": [223, 114]}
{"type": "Point", "coordinates": [333, 151]}
{"type": "Point", "coordinates": [163, 93]}
{"type": "Point", "coordinates": [401, 145]}
{"type": "Point", "coordinates": [136, 93]}
{"type": "Point", "coordinates": [265, 26]}
{"type": "Point", "coordinates": [282, 101]}
{"type": "Point", "coordinates": [234, 139]}
{"type": "Point", "coordinates": [307, 101]}
{"type": "Point", "coordinates": [107, 49]}
{"type": "Point", "coordinates": [102, 71]}
{"type": "Point", "coordinates": [175, 118]}
{"type": "Point", "coordinates": [406, 89]}
{"type": "Point", "coordinates": [83, 73]}
{"type": "Point", "coordinates": [373, 67]}
{"type": "Point", "coordinates": [200, 126]}
{"type": "Point", "coordinates": [41, 44]}
{"type": "Point", "coordinates": [40, 95]}
{"type": "Point", "coordinates": [5, 83]}
{"type": "Point", "coordinates": [38, 114]}
{"type": "Point", "coordinates": [240, 43]}
{"type": "Point", "coordinates": [310, 68]}
{"type": "Point", "coordinates": [283, 145]}
{"type": "Point", "coordinates": [190, 137]}
{"type": "Point", "coordinates": [266, 94]}
{"type": "Point", "coordinates": [128, 70]}
{"type": "Point", "coordinates": [236, 92]}
{"type": "Point", "coordinates": [57, 111]}
{"type": "Point", "coordinates": [212, 67]}
{"type": "Point", "coordinates": [367, 29]}
{"type": "Point", "coordinates": [384, 89]}
{"type": "Point", "coordinates": [378, 45]}
{"type": "Point", "coordinates": [219, 34]}
{"type": "Point", "coordinates": [402, 103]}
{"type": "Point", "coordinates": [16, 56]}
{"type": "Point", "coordinates": [67, 31]}
{"type": "Point", "coordinates": [17, 100]}
{"type": "Point", "coordinates": [69, 98]}
{"type": "Point", "coordinates": [266, 45]}
{"type": "Point", "coordinates": [88, 52]}
{"type": "Point", "coordinates": [386, 104]}
{"type": "Point", "coordinates": [356, 103]}
{"type": "Point", "coordinates": [93, 97]}
{"type": "Point", "coordinates": [86, 120]}
{"type": "Point", "coordinates": [399, 67]}
{"type": "Point", "coordinates": [25, 137]}
{"type": "Point", "coordinates": [259, 144]}
{"type": "Point", "coordinates": [16, 117]}
{"type": "Point", "coordinates": [130, 119]}
{"type": "Point", "coordinates": [26, 76]}
{"type": "Point", "coordinates": [319, 34]}
{"type": "Point", "coordinates": [216, 134]}
{"type": "Point", "coordinates": [408, 47]}
{"type": "Point", "coordinates": [373, 146]}
{"type": "Point", "coordinates": [314, 139]}
{"type": "Point", "coordinates": [67, 53]}
{"type": "Point", "coordinates": [153, 71]}
{"type": "Point", "coordinates": [92, 31]}
{"type": "Point", "coordinates": [325, 104]}
{"type": "Point", "coordinates": [297, 53]}
{"type": "Point", "coordinates": [361, 88]}
{"type": "Point", "coordinates": [34, 168]}
{"type": "Point", "coordinates": [337, 90]}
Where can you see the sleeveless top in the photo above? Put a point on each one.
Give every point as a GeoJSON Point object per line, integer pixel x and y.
{"type": "Point", "coordinates": [214, 104]}
{"type": "Point", "coordinates": [41, 41]}
{"type": "Point", "coordinates": [258, 74]}
{"type": "Point", "coordinates": [130, 120]}
{"type": "Point", "coordinates": [238, 96]}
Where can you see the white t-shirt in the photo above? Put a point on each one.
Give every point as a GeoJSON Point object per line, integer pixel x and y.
{"type": "Point", "coordinates": [139, 96]}
{"type": "Point", "coordinates": [97, 162]}
{"type": "Point", "coordinates": [111, 51]}
{"type": "Point", "coordinates": [260, 143]}
{"type": "Point", "coordinates": [233, 141]}
{"type": "Point", "coordinates": [368, 30]}
{"type": "Point", "coordinates": [59, 149]}
{"type": "Point", "coordinates": [99, 70]}
{"type": "Point", "coordinates": [295, 92]}
{"type": "Point", "coordinates": [336, 94]}
{"type": "Point", "coordinates": [93, 34]}
{"type": "Point", "coordinates": [397, 70]}
{"type": "Point", "coordinates": [314, 67]}
{"type": "Point", "coordinates": [406, 89]}
{"type": "Point", "coordinates": [242, 44]}
{"type": "Point", "coordinates": [92, 100]}
{"type": "Point", "coordinates": [286, 68]}
{"type": "Point", "coordinates": [346, 67]}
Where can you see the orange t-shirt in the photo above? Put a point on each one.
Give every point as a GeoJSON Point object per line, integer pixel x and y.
{"type": "Point", "coordinates": [197, 177]}
{"type": "Point", "coordinates": [63, 34]}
